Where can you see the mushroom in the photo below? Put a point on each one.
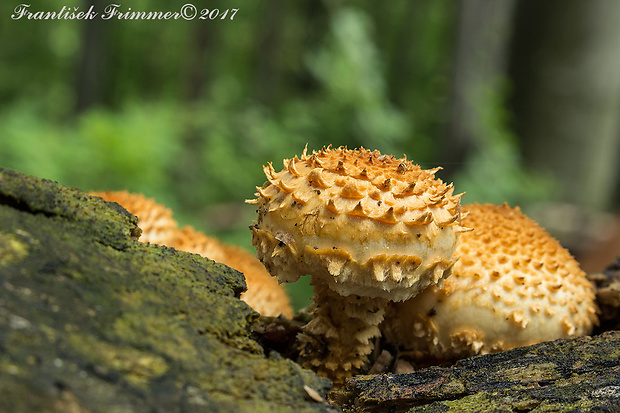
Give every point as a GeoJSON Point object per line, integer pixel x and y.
{"type": "Point", "coordinates": [263, 293]}
{"type": "Point", "coordinates": [368, 228]}
{"type": "Point", "coordinates": [154, 220]}
{"type": "Point", "coordinates": [513, 285]}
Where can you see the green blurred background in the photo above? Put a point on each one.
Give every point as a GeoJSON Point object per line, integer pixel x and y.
{"type": "Point", "coordinates": [518, 101]}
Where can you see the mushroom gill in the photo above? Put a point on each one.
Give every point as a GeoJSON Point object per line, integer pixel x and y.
{"type": "Point", "coordinates": [263, 293]}
{"type": "Point", "coordinates": [513, 285]}
{"type": "Point", "coordinates": [368, 228]}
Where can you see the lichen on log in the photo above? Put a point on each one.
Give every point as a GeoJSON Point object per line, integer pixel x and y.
{"type": "Point", "coordinates": [93, 320]}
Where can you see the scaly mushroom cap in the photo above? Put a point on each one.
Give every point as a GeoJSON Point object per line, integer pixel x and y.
{"type": "Point", "coordinates": [263, 292]}
{"type": "Point", "coordinates": [365, 223]}
{"type": "Point", "coordinates": [154, 220]}
{"type": "Point", "coordinates": [513, 285]}
{"type": "Point", "coordinates": [190, 240]}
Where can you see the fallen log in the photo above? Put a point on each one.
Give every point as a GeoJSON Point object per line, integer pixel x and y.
{"type": "Point", "coordinates": [581, 374]}
{"type": "Point", "coordinates": [91, 320]}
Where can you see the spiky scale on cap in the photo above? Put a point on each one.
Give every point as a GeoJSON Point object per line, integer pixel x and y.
{"type": "Point", "coordinates": [365, 203]}
{"type": "Point", "coordinates": [514, 285]}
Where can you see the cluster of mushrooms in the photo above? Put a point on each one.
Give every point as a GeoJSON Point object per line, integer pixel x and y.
{"type": "Point", "coordinates": [392, 253]}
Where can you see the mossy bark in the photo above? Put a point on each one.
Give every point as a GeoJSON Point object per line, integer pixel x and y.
{"type": "Point", "coordinates": [580, 374]}
{"type": "Point", "coordinates": [93, 320]}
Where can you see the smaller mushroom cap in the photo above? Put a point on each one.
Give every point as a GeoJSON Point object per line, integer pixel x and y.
{"type": "Point", "coordinates": [364, 223]}
{"type": "Point", "coordinates": [513, 285]}
{"type": "Point", "coordinates": [158, 227]}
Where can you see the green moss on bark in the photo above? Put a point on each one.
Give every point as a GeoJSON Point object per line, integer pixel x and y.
{"type": "Point", "coordinates": [581, 374]}
{"type": "Point", "coordinates": [92, 320]}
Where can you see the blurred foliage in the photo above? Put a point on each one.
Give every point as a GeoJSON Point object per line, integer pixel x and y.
{"type": "Point", "coordinates": [187, 112]}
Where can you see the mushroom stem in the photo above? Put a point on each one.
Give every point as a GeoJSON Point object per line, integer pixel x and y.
{"type": "Point", "coordinates": [338, 340]}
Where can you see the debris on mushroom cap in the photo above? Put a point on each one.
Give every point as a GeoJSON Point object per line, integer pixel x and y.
{"type": "Point", "coordinates": [513, 285]}
{"type": "Point", "coordinates": [368, 228]}
{"type": "Point", "coordinates": [158, 227]}
{"type": "Point", "coordinates": [154, 220]}
{"type": "Point", "coordinates": [367, 224]}
{"type": "Point", "coordinates": [263, 292]}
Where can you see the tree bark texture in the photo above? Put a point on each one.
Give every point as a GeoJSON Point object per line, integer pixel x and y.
{"type": "Point", "coordinates": [565, 375]}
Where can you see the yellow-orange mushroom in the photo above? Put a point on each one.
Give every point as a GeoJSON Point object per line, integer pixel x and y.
{"type": "Point", "coordinates": [513, 285]}
{"type": "Point", "coordinates": [368, 228]}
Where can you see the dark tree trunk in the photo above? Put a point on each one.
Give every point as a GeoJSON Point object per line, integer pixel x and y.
{"type": "Point", "coordinates": [565, 64]}
{"type": "Point", "coordinates": [483, 36]}
{"type": "Point", "coordinates": [198, 60]}
{"type": "Point", "coordinates": [93, 66]}
{"type": "Point", "coordinates": [268, 53]}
